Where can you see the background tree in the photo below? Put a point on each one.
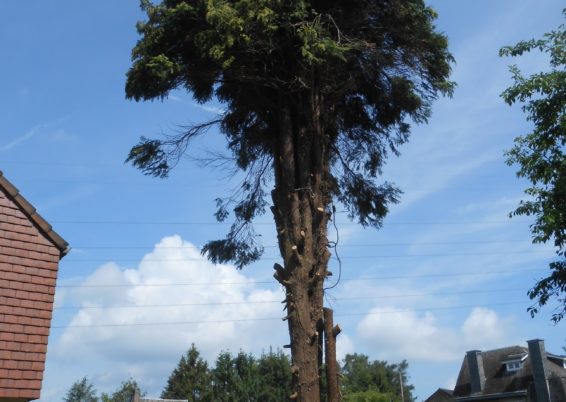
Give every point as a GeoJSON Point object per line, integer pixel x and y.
{"type": "Point", "coordinates": [317, 93]}
{"type": "Point", "coordinates": [81, 391]}
{"type": "Point", "coordinates": [225, 379]}
{"type": "Point", "coordinates": [365, 380]}
{"type": "Point", "coordinates": [274, 377]}
{"type": "Point", "coordinates": [247, 386]}
{"type": "Point", "coordinates": [368, 396]}
{"type": "Point", "coordinates": [541, 156]}
{"type": "Point", "coordinates": [190, 380]}
{"type": "Point", "coordinates": [124, 392]}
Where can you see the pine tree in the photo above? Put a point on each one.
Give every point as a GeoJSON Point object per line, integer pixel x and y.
{"type": "Point", "coordinates": [190, 380]}
{"type": "Point", "coordinates": [225, 380]}
{"type": "Point", "coordinates": [274, 370]}
{"type": "Point", "coordinates": [317, 94]}
{"type": "Point", "coordinates": [124, 392]}
{"type": "Point", "coordinates": [81, 391]}
{"type": "Point", "coordinates": [247, 369]}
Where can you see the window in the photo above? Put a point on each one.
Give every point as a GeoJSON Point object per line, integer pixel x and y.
{"type": "Point", "coordinates": [514, 365]}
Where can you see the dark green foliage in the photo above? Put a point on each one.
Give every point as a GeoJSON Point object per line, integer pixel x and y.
{"type": "Point", "coordinates": [124, 393]}
{"type": "Point", "coordinates": [190, 380]}
{"type": "Point", "coordinates": [244, 378]}
{"type": "Point", "coordinates": [361, 375]}
{"type": "Point", "coordinates": [233, 379]}
{"type": "Point", "coordinates": [541, 156]}
{"type": "Point", "coordinates": [274, 381]}
{"type": "Point", "coordinates": [81, 391]}
{"type": "Point", "coordinates": [224, 378]}
{"type": "Point", "coordinates": [354, 72]}
{"type": "Point", "coordinates": [369, 396]}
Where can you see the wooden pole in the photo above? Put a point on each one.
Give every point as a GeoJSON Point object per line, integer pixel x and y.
{"type": "Point", "coordinates": [330, 333]}
{"type": "Point", "coordinates": [401, 383]}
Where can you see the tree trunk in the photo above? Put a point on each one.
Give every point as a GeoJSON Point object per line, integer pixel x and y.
{"type": "Point", "coordinates": [330, 334]}
{"type": "Point", "coordinates": [301, 211]}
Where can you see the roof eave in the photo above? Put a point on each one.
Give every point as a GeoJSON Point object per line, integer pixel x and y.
{"type": "Point", "coordinates": [31, 212]}
{"type": "Point", "coordinates": [490, 396]}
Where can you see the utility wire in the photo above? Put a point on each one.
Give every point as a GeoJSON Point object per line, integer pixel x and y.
{"type": "Point", "coordinates": [118, 222]}
{"type": "Point", "coordinates": [138, 306]}
{"type": "Point", "coordinates": [250, 282]}
{"type": "Point", "coordinates": [467, 242]}
{"type": "Point", "coordinates": [276, 318]}
{"type": "Point", "coordinates": [352, 257]}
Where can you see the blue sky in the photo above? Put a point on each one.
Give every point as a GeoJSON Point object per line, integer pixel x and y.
{"type": "Point", "coordinates": [447, 273]}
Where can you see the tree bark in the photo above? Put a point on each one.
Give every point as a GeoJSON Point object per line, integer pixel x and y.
{"type": "Point", "coordinates": [330, 334]}
{"type": "Point", "coordinates": [300, 208]}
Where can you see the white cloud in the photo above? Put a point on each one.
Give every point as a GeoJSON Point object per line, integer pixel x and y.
{"type": "Point", "coordinates": [222, 310]}
{"type": "Point", "coordinates": [404, 334]}
{"type": "Point", "coordinates": [401, 334]}
{"type": "Point", "coordinates": [484, 328]}
{"type": "Point", "coordinates": [344, 346]}
{"type": "Point", "coordinates": [209, 109]}
{"type": "Point", "coordinates": [206, 108]}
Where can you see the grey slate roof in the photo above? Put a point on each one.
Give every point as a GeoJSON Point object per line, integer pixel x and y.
{"type": "Point", "coordinates": [499, 380]}
{"type": "Point", "coordinates": [162, 400]}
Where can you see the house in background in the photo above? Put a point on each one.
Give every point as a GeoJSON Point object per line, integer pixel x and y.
{"type": "Point", "coordinates": [29, 259]}
{"type": "Point", "coordinates": [511, 374]}
{"type": "Point", "coordinates": [137, 398]}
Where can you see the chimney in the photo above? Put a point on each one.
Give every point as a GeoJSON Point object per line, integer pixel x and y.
{"type": "Point", "coordinates": [537, 354]}
{"type": "Point", "coordinates": [477, 374]}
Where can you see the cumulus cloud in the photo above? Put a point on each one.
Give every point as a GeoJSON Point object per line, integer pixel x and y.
{"type": "Point", "coordinates": [141, 324]}
{"type": "Point", "coordinates": [405, 334]}
{"type": "Point", "coordinates": [484, 328]}
{"type": "Point", "coordinates": [344, 346]}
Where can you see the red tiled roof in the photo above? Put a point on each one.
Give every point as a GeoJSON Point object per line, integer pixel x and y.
{"type": "Point", "coordinates": [32, 215]}
{"type": "Point", "coordinates": [29, 256]}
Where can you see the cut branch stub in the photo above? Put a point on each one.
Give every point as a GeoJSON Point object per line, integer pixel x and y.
{"type": "Point", "coordinates": [281, 274]}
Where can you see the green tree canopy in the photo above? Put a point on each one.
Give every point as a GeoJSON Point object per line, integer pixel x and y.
{"type": "Point", "coordinates": [274, 377]}
{"type": "Point", "coordinates": [368, 396]}
{"type": "Point", "coordinates": [368, 380]}
{"type": "Point", "coordinates": [317, 93]}
{"type": "Point", "coordinates": [541, 156]}
{"type": "Point", "coordinates": [81, 391]}
{"type": "Point", "coordinates": [190, 380]}
{"type": "Point", "coordinates": [124, 393]}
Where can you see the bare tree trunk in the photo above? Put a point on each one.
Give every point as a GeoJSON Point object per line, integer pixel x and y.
{"type": "Point", "coordinates": [330, 334]}
{"type": "Point", "coordinates": [301, 214]}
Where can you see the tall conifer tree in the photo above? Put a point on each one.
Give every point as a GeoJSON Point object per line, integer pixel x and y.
{"type": "Point", "coordinates": [317, 93]}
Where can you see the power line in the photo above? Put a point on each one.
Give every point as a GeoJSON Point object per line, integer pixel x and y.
{"type": "Point", "coordinates": [138, 306]}
{"type": "Point", "coordinates": [250, 282]}
{"type": "Point", "coordinates": [277, 318]}
{"type": "Point", "coordinates": [432, 243]}
{"type": "Point", "coordinates": [351, 257]}
{"type": "Point", "coordinates": [122, 222]}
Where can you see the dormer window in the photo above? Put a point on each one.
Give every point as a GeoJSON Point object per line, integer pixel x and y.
{"type": "Point", "coordinates": [514, 362]}
{"type": "Point", "coordinates": [514, 365]}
